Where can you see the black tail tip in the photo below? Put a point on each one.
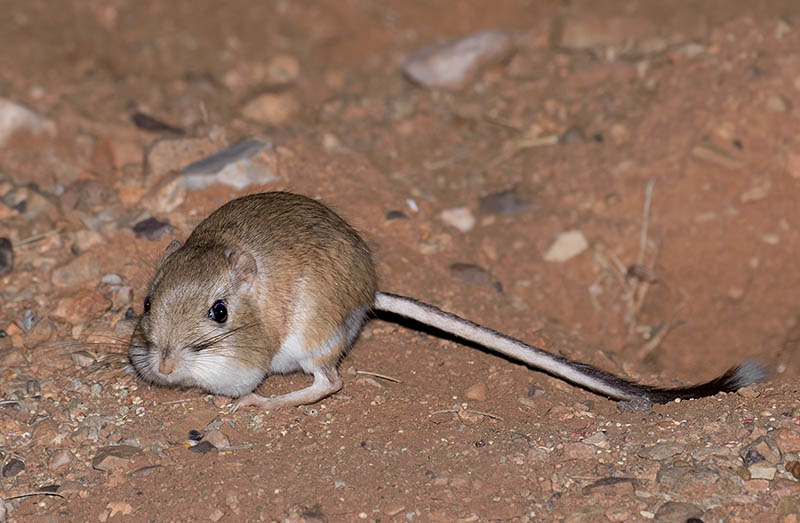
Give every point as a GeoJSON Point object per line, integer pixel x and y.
{"type": "Point", "coordinates": [749, 372]}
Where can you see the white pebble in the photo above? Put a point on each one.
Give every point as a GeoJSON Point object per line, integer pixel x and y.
{"type": "Point", "coordinates": [568, 245]}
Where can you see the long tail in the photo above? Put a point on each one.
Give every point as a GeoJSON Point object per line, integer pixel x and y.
{"type": "Point", "coordinates": [579, 373]}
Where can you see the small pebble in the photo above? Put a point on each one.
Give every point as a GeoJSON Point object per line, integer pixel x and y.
{"type": "Point", "coordinates": [12, 467]}
{"type": "Point", "coordinates": [504, 202]}
{"type": "Point", "coordinates": [238, 166]}
{"type": "Point", "coordinates": [114, 457]}
{"type": "Point", "coordinates": [460, 217]}
{"type": "Point", "coordinates": [59, 460]}
{"type": "Point", "coordinates": [788, 440]}
{"type": "Point", "coordinates": [148, 123]}
{"type": "Point", "coordinates": [271, 109]}
{"type": "Point", "coordinates": [218, 439]}
{"type": "Point", "coordinates": [469, 273]}
{"type": "Point", "coordinates": [660, 451]}
{"type": "Point", "coordinates": [454, 64]}
{"type": "Point", "coordinates": [762, 470]}
{"type": "Point", "coordinates": [567, 245]}
{"type": "Point", "coordinates": [15, 118]}
{"type": "Point", "coordinates": [151, 228]}
{"type": "Point", "coordinates": [476, 392]}
{"type": "Point", "coordinates": [748, 392]}
{"type": "Point", "coordinates": [6, 256]}
{"type": "Point", "coordinates": [793, 467]}
{"type": "Point", "coordinates": [204, 447]}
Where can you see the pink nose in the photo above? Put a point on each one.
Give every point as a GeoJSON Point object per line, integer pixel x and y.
{"type": "Point", "coordinates": [167, 364]}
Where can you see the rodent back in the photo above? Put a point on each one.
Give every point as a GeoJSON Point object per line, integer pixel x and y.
{"type": "Point", "coordinates": [297, 237]}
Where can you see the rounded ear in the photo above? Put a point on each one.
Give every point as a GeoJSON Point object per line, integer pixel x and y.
{"type": "Point", "coordinates": [243, 269]}
{"type": "Point", "coordinates": [173, 246]}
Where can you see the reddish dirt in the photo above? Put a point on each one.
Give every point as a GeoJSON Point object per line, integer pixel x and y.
{"type": "Point", "coordinates": [709, 119]}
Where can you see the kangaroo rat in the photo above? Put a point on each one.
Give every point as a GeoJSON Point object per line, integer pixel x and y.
{"type": "Point", "coordinates": [277, 283]}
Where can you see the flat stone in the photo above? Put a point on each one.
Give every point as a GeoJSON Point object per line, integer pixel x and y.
{"type": "Point", "coordinates": [166, 195]}
{"type": "Point", "coordinates": [660, 451]}
{"type": "Point", "coordinates": [476, 392]}
{"type": "Point", "coordinates": [151, 228]}
{"type": "Point", "coordinates": [81, 307]}
{"type": "Point", "coordinates": [504, 202]}
{"type": "Point", "coordinates": [238, 166]}
{"type": "Point", "coordinates": [586, 32]}
{"type": "Point", "coordinates": [173, 154]}
{"type": "Point", "coordinates": [762, 470]}
{"type": "Point", "coordinates": [567, 245]}
{"type": "Point", "coordinates": [459, 217]}
{"type": "Point", "coordinates": [271, 108]}
{"type": "Point", "coordinates": [115, 457]}
{"type": "Point", "coordinates": [16, 118]}
{"type": "Point", "coordinates": [454, 64]}
{"type": "Point", "coordinates": [788, 440]}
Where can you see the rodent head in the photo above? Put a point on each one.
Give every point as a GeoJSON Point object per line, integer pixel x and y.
{"type": "Point", "coordinates": [201, 324]}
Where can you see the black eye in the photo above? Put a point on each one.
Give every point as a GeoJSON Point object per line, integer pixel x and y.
{"type": "Point", "coordinates": [218, 312]}
{"type": "Point", "coordinates": [147, 304]}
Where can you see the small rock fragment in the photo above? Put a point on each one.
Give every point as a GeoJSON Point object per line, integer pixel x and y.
{"type": "Point", "coordinates": [216, 515]}
{"type": "Point", "coordinates": [460, 217]}
{"type": "Point", "coordinates": [12, 467]}
{"type": "Point", "coordinates": [612, 485]}
{"type": "Point", "coordinates": [81, 307]}
{"type": "Point", "coordinates": [762, 448]}
{"type": "Point", "coordinates": [762, 470]}
{"type": "Point", "coordinates": [678, 512]}
{"type": "Point", "coordinates": [238, 166]}
{"type": "Point", "coordinates": [6, 256]}
{"type": "Point", "coordinates": [579, 451]}
{"type": "Point", "coordinates": [504, 202]}
{"type": "Point", "coordinates": [119, 507]}
{"type": "Point", "coordinates": [15, 118]}
{"type": "Point", "coordinates": [282, 69]}
{"type": "Point", "coordinates": [793, 164]}
{"type": "Point", "coordinates": [476, 392]}
{"type": "Point", "coordinates": [148, 123]}
{"type": "Point", "coordinates": [85, 239]}
{"type": "Point", "coordinates": [204, 447]}
{"type": "Point", "coordinates": [218, 439]}
{"type": "Point", "coordinates": [716, 155]}
{"type": "Point", "coordinates": [748, 392]}
{"type": "Point", "coordinates": [660, 451]}
{"type": "Point", "coordinates": [454, 64]}
{"type": "Point", "coordinates": [59, 460]}
{"type": "Point", "coordinates": [172, 154]}
{"type": "Point", "coordinates": [777, 104]}
{"type": "Point", "coordinates": [793, 467]}
{"type": "Point", "coordinates": [114, 457]}
{"type": "Point", "coordinates": [788, 440]}
{"type": "Point", "coordinates": [585, 32]}
{"type": "Point", "coordinates": [598, 439]}
{"type": "Point", "coordinates": [469, 273]}
{"type": "Point", "coordinates": [393, 509]}
{"type": "Point", "coordinates": [166, 195]}
{"type": "Point", "coordinates": [151, 228]}
{"type": "Point", "coordinates": [567, 245]}
{"type": "Point", "coordinates": [271, 108]}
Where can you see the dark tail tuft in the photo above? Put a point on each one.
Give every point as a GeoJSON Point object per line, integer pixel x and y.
{"type": "Point", "coordinates": [747, 373]}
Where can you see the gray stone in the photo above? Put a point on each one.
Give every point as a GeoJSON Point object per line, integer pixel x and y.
{"type": "Point", "coordinates": [454, 64]}
{"type": "Point", "coordinates": [6, 256]}
{"type": "Point", "coordinates": [237, 166]}
{"type": "Point", "coordinates": [15, 118]}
